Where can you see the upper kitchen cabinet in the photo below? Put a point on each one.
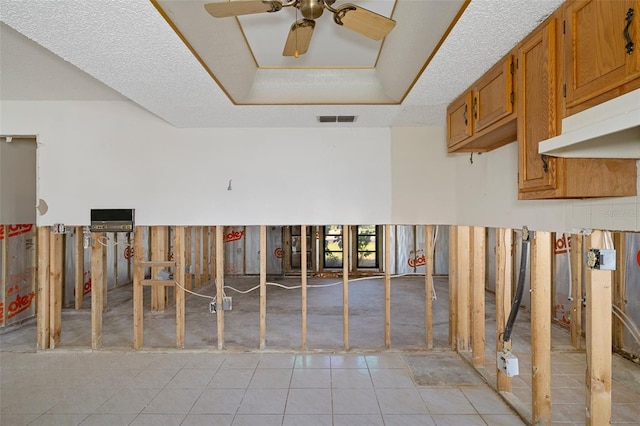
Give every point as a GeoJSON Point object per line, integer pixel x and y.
{"type": "Point", "coordinates": [484, 117]}
{"type": "Point", "coordinates": [602, 51]}
{"type": "Point", "coordinates": [539, 69]}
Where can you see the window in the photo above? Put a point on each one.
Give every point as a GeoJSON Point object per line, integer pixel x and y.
{"type": "Point", "coordinates": [296, 247]}
{"type": "Point", "coordinates": [332, 246]}
{"type": "Point", "coordinates": [367, 249]}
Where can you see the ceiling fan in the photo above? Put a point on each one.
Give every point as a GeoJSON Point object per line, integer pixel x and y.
{"type": "Point", "coordinates": [356, 18]}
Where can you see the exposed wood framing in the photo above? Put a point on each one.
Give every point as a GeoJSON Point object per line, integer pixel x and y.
{"type": "Point", "coordinates": [504, 264]}
{"type": "Point", "coordinates": [138, 276]}
{"type": "Point", "coordinates": [463, 298]}
{"type": "Point", "coordinates": [619, 288]}
{"type": "Point", "coordinates": [104, 274]}
{"type": "Point", "coordinates": [198, 254]}
{"type": "Point", "coordinates": [212, 252]}
{"type": "Point", "coordinates": [205, 255]}
{"type": "Point", "coordinates": [286, 246]}
{"type": "Point", "coordinates": [303, 277]}
{"type": "Point", "coordinates": [42, 320]}
{"type": "Point", "coordinates": [115, 259]}
{"type": "Point", "coordinates": [78, 252]}
{"type": "Point", "coordinates": [576, 290]}
{"type": "Point", "coordinates": [453, 287]}
{"type": "Point", "coordinates": [98, 277]}
{"type": "Point", "coordinates": [158, 235]}
{"type": "Point", "coordinates": [345, 286]}
{"type": "Point", "coordinates": [263, 286]}
{"type": "Point", "coordinates": [541, 249]}
{"type": "Point", "coordinates": [428, 286]}
{"type": "Point", "coordinates": [56, 260]}
{"type": "Point", "coordinates": [598, 326]}
{"type": "Point", "coordinates": [477, 289]}
{"type": "Point", "coordinates": [219, 283]}
{"type": "Point", "coordinates": [130, 258]}
{"type": "Point", "coordinates": [387, 286]}
{"type": "Point", "coordinates": [178, 276]}
{"type": "Point", "coordinates": [188, 283]}
{"type": "Point", "coordinates": [5, 273]}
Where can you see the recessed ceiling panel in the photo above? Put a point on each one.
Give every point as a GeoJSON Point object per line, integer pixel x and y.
{"type": "Point", "coordinates": [244, 53]}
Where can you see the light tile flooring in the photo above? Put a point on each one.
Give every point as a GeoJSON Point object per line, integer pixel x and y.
{"type": "Point", "coordinates": [208, 388]}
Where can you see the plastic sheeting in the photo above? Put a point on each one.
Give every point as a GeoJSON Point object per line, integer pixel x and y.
{"type": "Point", "coordinates": [408, 243]}
{"type": "Point", "coordinates": [18, 301]}
{"type": "Point", "coordinates": [242, 250]}
{"type": "Point", "coordinates": [632, 294]}
{"type": "Point", "coordinates": [562, 253]}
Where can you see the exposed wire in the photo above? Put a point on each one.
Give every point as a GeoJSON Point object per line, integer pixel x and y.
{"type": "Point", "coordinates": [570, 298]}
{"type": "Point", "coordinates": [608, 241]}
{"type": "Point", "coordinates": [434, 296]}
{"type": "Point", "coordinates": [308, 286]}
{"type": "Point", "coordinates": [193, 292]}
{"type": "Point", "coordinates": [628, 322]}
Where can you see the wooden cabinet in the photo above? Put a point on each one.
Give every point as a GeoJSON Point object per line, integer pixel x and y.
{"type": "Point", "coordinates": [483, 118]}
{"type": "Point", "coordinates": [602, 51]}
{"type": "Point", "coordinates": [539, 69]}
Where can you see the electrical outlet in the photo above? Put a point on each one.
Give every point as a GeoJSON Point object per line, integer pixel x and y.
{"type": "Point", "coordinates": [603, 259]}
{"type": "Point", "coordinates": [508, 364]}
{"type": "Point", "coordinates": [226, 304]}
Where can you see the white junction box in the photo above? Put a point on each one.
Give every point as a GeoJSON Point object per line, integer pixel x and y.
{"type": "Point", "coordinates": [508, 364]}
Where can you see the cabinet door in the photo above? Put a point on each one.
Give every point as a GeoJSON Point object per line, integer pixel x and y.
{"type": "Point", "coordinates": [537, 107]}
{"type": "Point", "coordinates": [596, 47]}
{"type": "Point", "coordinates": [493, 95]}
{"type": "Point", "coordinates": [459, 120]}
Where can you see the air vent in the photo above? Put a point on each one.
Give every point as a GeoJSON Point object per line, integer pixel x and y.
{"type": "Point", "coordinates": [336, 118]}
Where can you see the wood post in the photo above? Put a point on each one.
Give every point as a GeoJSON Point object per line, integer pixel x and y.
{"type": "Point", "coordinates": [219, 283]}
{"type": "Point", "coordinates": [263, 285]}
{"type": "Point", "coordinates": [205, 254]}
{"type": "Point", "coordinates": [198, 253]}
{"type": "Point", "coordinates": [478, 286]}
{"type": "Point", "coordinates": [453, 287]}
{"type": "Point", "coordinates": [303, 276]}
{"type": "Point", "coordinates": [178, 276]}
{"type": "Point", "coordinates": [159, 238]}
{"type": "Point", "coordinates": [187, 259]}
{"type": "Point", "coordinates": [138, 276]}
{"type": "Point", "coordinates": [463, 270]}
{"type": "Point", "coordinates": [345, 286]}
{"type": "Point", "coordinates": [387, 286]}
{"type": "Point", "coordinates": [576, 290]}
{"type": "Point", "coordinates": [212, 252]}
{"type": "Point", "coordinates": [78, 251]}
{"type": "Point", "coordinates": [541, 249]}
{"type": "Point", "coordinates": [115, 261]}
{"type": "Point", "coordinates": [56, 261]}
{"type": "Point", "coordinates": [503, 297]}
{"type": "Point", "coordinates": [619, 288]}
{"type": "Point", "coordinates": [42, 325]}
{"type": "Point", "coordinates": [598, 339]}
{"type": "Point", "coordinates": [428, 286]}
{"type": "Point", "coordinates": [98, 276]}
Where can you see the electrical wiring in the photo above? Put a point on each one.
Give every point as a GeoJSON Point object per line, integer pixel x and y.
{"type": "Point", "coordinates": [570, 297]}
{"type": "Point", "coordinates": [194, 293]}
{"type": "Point", "coordinates": [628, 322]}
{"type": "Point", "coordinates": [434, 295]}
{"type": "Point", "coordinates": [308, 286]}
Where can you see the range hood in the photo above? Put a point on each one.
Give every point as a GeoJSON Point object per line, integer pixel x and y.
{"type": "Point", "coordinates": [608, 130]}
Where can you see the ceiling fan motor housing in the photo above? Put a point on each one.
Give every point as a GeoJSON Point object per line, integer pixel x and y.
{"type": "Point", "coordinates": [311, 9]}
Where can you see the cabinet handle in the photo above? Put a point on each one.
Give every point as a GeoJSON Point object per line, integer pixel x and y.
{"type": "Point", "coordinates": [464, 114]}
{"type": "Point", "coordinates": [475, 107]}
{"type": "Point", "coordinates": [545, 165]}
{"type": "Point", "coordinates": [629, 45]}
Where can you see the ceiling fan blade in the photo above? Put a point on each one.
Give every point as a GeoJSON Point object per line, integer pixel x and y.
{"type": "Point", "coordinates": [235, 8]}
{"type": "Point", "coordinates": [363, 21]}
{"type": "Point", "coordinates": [299, 37]}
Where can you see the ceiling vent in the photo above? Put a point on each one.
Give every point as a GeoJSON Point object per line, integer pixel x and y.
{"type": "Point", "coordinates": [336, 118]}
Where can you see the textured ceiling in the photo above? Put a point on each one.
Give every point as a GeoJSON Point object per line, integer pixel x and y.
{"type": "Point", "coordinates": [128, 46]}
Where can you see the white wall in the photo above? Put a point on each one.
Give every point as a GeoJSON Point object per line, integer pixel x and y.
{"type": "Point", "coordinates": [18, 181]}
{"type": "Point", "coordinates": [116, 155]}
{"type": "Point", "coordinates": [423, 177]}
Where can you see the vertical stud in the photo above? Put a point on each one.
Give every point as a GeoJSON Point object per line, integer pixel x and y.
{"type": "Point", "coordinates": [345, 286]}
{"type": "Point", "coordinates": [576, 290]}
{"type": "Point", "coordinates": [56, 261]}
{"type": "Point", "coordinates": [541, 327]}
{"type": "Point", "coordinates": [43, 330]}
{"type": "Point", "coordinates": [464, 284]}
{"type": "Point", "coordinates": [598, 340]}
{"type": "Point", "coordinates": [303, 276]}
{"type": "Point", "coordinates": [453, 287]}
{"type": "Point", "coordinates": [97, 285]}
{"type": "Point", "coordinates": [478, 286]}
{"type": "Point", "coordinates": [78, 251]}
{"type": "Point", "coordinates": [219, 283]}
{"type": "Point", "coordinates": [504, 264]}
{"type": "Point", "coordinates": [263, 286]}
{"type": "Point", "coordinates": [428, 287]}
{"type": "Point", "coordinates": [138, 276]}
{"type": "Point", "coordinates": [178, 272]}
{"type": "Point", "coordinates": [387, 286]}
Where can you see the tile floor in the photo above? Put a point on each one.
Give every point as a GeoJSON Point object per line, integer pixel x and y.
{"type": "Point", "coordinates": [205, 388]}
